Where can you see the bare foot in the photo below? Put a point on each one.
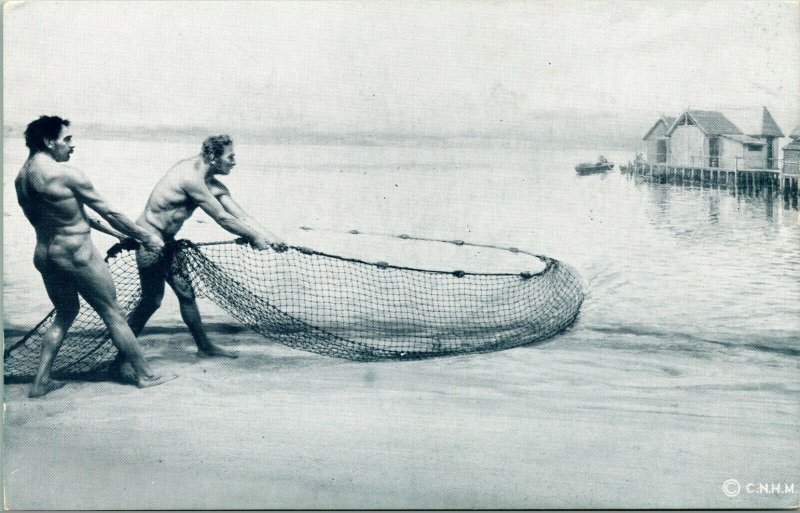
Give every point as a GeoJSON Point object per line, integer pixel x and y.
{"type": "Point", "coordinates": [40, 389]}
{"type": "Point", "coordinates": [151, 381]}
{"type": "Point", "coordinates": [214, 351]}
{"type": "Point", "coordinates": [125, 373]}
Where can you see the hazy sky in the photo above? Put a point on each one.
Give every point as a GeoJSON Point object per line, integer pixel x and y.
{"type": "Point", "coordinates": [421, 66]}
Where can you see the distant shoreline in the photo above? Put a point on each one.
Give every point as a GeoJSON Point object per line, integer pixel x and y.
{"type": "Point", "coordinates": [294, 136]}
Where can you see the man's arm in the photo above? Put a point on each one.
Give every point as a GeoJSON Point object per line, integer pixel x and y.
{"type": "Point", "coordinates": [199, 193]}
{"type": "Point", "coordinates": [235, 209]}
{"type": "Point", "coordinates": [98, 225]}
{"type": "Point", "coordinates": [88, 195]}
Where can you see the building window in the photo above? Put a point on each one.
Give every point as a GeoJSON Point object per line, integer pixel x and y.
{"type": "Point", "coordinates": [661, 151]}
{"type": "Point", "coordinates": [713, 152]}
{"type": "Point", "coordinates": [771, 164]}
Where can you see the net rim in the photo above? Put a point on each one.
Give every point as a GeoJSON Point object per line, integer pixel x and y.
{"type": "Point", "coordinates": [547, 261]}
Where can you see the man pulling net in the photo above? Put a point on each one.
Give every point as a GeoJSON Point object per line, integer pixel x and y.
{"type": "Point", "coordinates": [189, 184]}
{"type": "Point", "coordinates": [53, 196]}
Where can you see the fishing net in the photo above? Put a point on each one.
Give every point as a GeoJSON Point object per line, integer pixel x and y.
{"type": "Point", "coordinates": [333, 305]}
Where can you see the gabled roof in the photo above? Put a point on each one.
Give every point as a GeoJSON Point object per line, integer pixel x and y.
{"type": "Point", "coordinates": [756, 121]}
{"type": "Point", "coordinates": [769, 127]}
{"type": "Point", "coordinates": [666, 120]}
{"type": "Point", "coordinates": [795, 133]}
{"type": "Point", "coordinates": [711, 122]}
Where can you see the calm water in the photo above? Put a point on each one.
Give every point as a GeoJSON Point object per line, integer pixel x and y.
{"type": "Point", "coordinates": [668, 268]}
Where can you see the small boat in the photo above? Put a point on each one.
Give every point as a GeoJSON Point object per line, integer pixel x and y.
{"type": "Point", "coordinates": [601, 166]}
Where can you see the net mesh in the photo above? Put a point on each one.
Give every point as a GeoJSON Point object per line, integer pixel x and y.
{"type": "Point", "coordinates": [332, 305]}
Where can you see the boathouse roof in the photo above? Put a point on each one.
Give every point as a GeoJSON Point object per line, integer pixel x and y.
{"type": "Point", "coordinates": [711, 122]}
{"type": "Point", "coordinates": [769, 126]}
{"type": "Point", "coordinates": [667, 121]}
{"type": "Point", "coordinates": [757, 122]}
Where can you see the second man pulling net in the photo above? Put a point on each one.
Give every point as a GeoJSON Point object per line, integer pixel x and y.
{"type": "Point", "coordinates": [189, 184]}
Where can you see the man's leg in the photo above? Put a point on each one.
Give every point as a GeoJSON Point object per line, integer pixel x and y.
{"type": "Point", "coordinates": [95, 284]}
{"type": "Point", "coordinates": [151, 278]}
{"type": "Point", "coordinates": [191, 316]}
{"type": "Point", "coordinates": [64, 296]}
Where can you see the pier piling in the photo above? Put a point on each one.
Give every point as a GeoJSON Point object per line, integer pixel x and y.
{"type": "Point", "coordinates": [752, 181]}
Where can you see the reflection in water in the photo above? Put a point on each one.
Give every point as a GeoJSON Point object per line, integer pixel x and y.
{"type": "Point", "coordinates": [708, 248]}
{"type": "Point", "coordinates": [762, 192]}
{"type": "Point", "coordinates": [713, 209]}
{"type": "Point", "coordinates": [789, 200]}
{"type": "Point", "coordinates": [714, 264]}
{"type": "Point", "coordinates": [769, 205]}
{"type": "Point", "coordinates": [722, 214]}
{"type": "Point", "coordinates": [660, 197]}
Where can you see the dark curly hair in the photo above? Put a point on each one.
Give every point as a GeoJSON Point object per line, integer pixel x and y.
{"type": "Point", "coordinates": [214, 147]}
{"type": "Point", "coordinates": [46, 127]}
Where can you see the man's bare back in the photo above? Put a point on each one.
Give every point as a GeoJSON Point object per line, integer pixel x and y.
{"type": "Point", "coordinates": [62, 229]}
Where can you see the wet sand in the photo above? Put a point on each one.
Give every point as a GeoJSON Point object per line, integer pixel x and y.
{"type": "Point", "coordinates": [551, 426]}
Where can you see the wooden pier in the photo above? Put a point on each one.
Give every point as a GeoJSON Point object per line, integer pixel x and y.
{"type": "Point", "coordinates": [784, 179]}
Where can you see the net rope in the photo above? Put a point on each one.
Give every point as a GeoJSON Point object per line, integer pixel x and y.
{"type": "Point", "coordinates": [332, 305]}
